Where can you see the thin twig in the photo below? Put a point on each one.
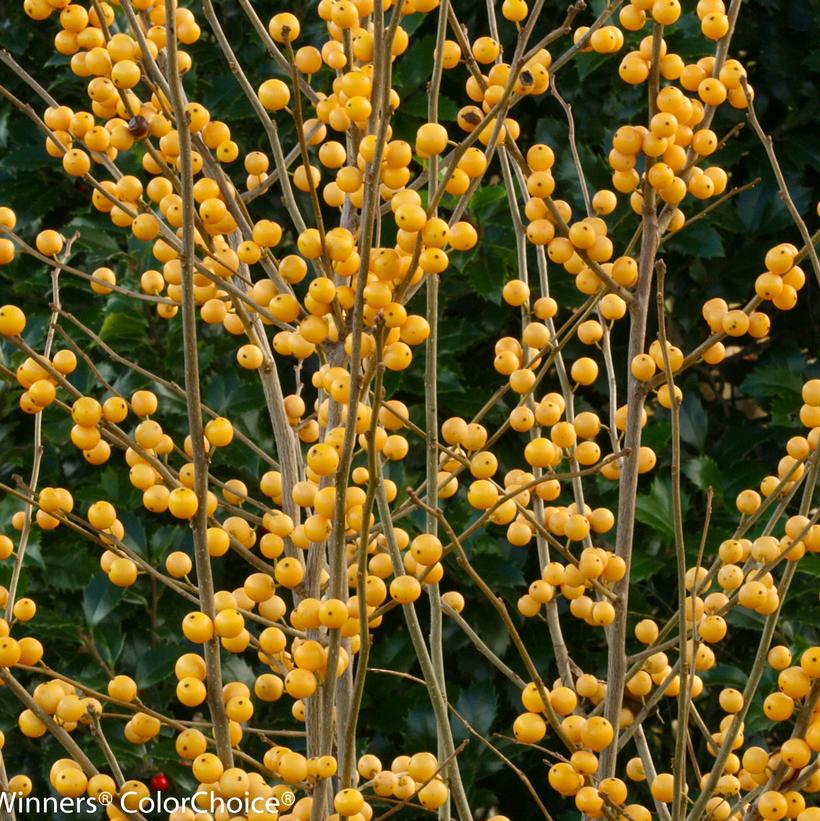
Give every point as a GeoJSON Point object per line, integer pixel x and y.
{"type": "Point", "coordinates": [712, 206]}
{"type": "Point", "coordinates": [38, 437]}
{"type": "Point", "coordinates": [768, 146]}
{"type": "Point", "coordinates": [573, 147]}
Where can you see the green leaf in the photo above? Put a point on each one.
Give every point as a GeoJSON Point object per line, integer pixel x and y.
{"type": "Point", "coordinates": [479, 705]}
{"type": "Point", "coordinates": [123, 328]}
{"type": "Point", "coordinates": [110, 640]}
{"type": "Point", "coordinates": [773, 380]}
{"type": "Point", "coordinates": [412, 21]}
{"type": "Point", "coordinates": [694, 423]}
{"type": "Point", "coordinates": [587, 63]}
{"type": "Point", "coordinates": [727, 675]}
{"type": "Point", "coordinates": [491, 563]}
{"type": "Point", "coordinates": [156, 665]}
{"type": "Point", "coordinates": [655, 508]}
{"type": "Point", "coordinates": [56, 627]}
{"type": "Point", "coordinates": [96, 236]}
{"type": "Point", "coordinates": [416, 106]}
{"type": "Point", "coordinates": [412, 75]}
{"type": "Point", "coordinates": [100, 598]}
{"type": "Point", "coordinates": [492, 631]}
{"type": "Point", "coordinates": [704, 472]}
{"type": "Point", "coordinates": [487, 200]}
{"type": "Point", "coordinates": [702, 238]}
{"type": "Point", "coordinates": [644, 566]}
{"type": "Point", "coordinates": [238, 669]}
{"type": "Point", "coordinates": [165, 540]}
{"type": "Point", "coordinates": [741, 617]}
{"type": "Point", "coordinates": [484, 281]}
{"type": "Point", "coordinates": [134, 532]}
{"type": "Point", "coordinates": [421, 724]}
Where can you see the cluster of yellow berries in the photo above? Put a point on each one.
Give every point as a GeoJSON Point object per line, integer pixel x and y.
{"type": "Point", "coordinates": [745, 770]}
{"type": "Point", "coordinates": [580, 247]}
{"type": "Point", "coordinates": [748, 769]}
{"type": "Point", "coordinates": [298, 667]}
{"type": "Point", "coordinates": [791, 467]}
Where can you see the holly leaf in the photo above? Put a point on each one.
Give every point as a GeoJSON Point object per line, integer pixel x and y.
{"type": "Point", "coordinates": [703, 237]}
{"type": "Point", "coordinates": [100, 598]}
{"type": "Point", "coordinates": [156, 665]}
{"type": "Point", "coordinates": [644, 566]}
{"type": "Point", "coordinates": [774, 379]}
{"type": "Point", "coordinates": [655, 507]}
{"type": "Point", "coordinates": [478, 704]}
{"type": "Point", "coordinates": [123, 328]}
{"type": "Point", "coordinates": [704, 472]}
{"type": "Point", "coordinates": [110, 640]}
{"type": "Point", "coordinates": [694, 423]}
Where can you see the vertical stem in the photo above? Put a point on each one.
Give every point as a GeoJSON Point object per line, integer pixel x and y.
{"type": "Point", "coordinates": [431, 399]}
{"type": "Point", "coordinates": [755, 674]}
{"type": "Point", "coordinates": [336, 541]}
{"type": "Point", "coordinates": [627, 490]}
{"type": "Point", "coordinates": [199, 524]}
{"type": "Point", "coordinates": [636, 397]}
{"type": "Point", "coordinates": [559, 646]}
{"type": "Point", "coordinates": [649, 769]}
{"type": "Point", "coordinates": [431, 430]}
{"type": "Point", "coordinates": [437, 698]}
{"type": "Point", "coordinates": [348, 747]}
{"type": "Point", "coordinates": [679, 765]}
{"type": "Point", "coordinates": [5, 814]}
{"type": "Point", "coordinates": [573, 147]}
{"type": "Point", "coordinates": [308, 169]}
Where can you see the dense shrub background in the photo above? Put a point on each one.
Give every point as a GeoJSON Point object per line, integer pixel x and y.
{"type": "Point", "coordinates": [735, 420]}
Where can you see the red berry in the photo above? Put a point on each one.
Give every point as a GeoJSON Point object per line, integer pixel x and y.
{"type": "Point", "coordinates": [160, 782]}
